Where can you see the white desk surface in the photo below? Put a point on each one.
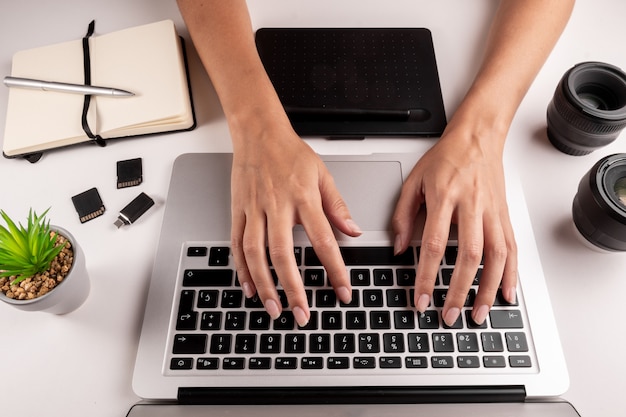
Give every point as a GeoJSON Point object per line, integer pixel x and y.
{"type": "Point", "coordinates": [81, 364]}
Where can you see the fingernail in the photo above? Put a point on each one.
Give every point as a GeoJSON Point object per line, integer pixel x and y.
{"type": "Point", "coordinates": [510, 295]}
{"type": "Point", "coordinates": [272, 309]}
{"type": "Point", "coordinates": [397, 245]}
{"type": "Point", "coordinates": [451, 316]}
{"type": "Point", "coordinates": [344, 294]}
{"type": "Point", "coordinates": [247, 290]}
{"type": "Point", "coordinates": [353, 226]}
{"type": "Point", "coordinates": [422, 303]}
{"type": "Point", "coordinates": [480, 314]}
{"type": "Point", "coordinates": [300, 316]}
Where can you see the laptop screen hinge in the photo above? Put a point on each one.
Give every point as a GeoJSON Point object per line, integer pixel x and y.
{"type": "Point", "coordinates": [351, 395]}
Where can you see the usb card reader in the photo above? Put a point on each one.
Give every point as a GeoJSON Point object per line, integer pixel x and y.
{"type": "Point", "coordinates": [134, 210]}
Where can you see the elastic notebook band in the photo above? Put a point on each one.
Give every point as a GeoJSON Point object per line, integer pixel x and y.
{"type": "Point", "coordinates": [87, 67]}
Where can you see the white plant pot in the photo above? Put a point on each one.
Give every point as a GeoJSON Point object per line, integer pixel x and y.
{"type": "Point", "coordinates": [67, 296]}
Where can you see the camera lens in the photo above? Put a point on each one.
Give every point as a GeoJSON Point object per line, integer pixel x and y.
{"type": "Point", "coordinates": [599, 208]}
{"type": "Point", "coordinates": [588, 109]}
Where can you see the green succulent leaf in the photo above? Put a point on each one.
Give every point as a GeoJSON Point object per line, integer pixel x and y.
{"type": "Point", "coordinates": [26, 251]}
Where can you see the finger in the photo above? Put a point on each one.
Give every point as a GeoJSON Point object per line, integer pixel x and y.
{"type": "Point", "coordinates": [280, 241]}
{"type": "Point", "coordinates": [434, 242]}
{"type": "Point", "coordinates": [336, 208]}
{"type": "Point", "coordinates": [469, 255]}
{"type": "Point", "coordinates": [254, 252]}
{"type": "Point", "coordinates": [327, 250]}
{"type": "Point", "coordinates": [510, 275]}
{"type": "Point", "coordinates": [236, 238]}
{"type": "Point", "coordinates": [403, 220]}
{"type": "Point", "coordinates": [495, 257]}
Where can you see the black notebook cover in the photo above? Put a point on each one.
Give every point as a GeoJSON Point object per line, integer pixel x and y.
{"type": "Point", "coordinates": [355, 82]}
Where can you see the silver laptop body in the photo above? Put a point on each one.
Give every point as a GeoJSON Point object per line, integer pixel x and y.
{"type": "Point", "coordinates": [198, 213]}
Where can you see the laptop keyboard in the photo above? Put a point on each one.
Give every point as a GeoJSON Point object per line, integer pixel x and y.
{"type": "Point", "coordinates": [215, 329]}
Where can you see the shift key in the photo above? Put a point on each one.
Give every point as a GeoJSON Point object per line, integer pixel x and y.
{"type": "Point", "coordinates": [506, 319]}
{"type": "Point", "coordinates": [187, 344]}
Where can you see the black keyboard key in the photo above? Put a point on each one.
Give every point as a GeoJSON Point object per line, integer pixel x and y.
{"type": "Point", "coordinates": [188, 344]}
{"type": "Point", "coordinates": [207, 363]}
{"type": "Point", "coordinates": [439, 297]}
{"type": "Point", "coordinates": [285, 321]}
{"type": "Point", "coordinates": [380, 320]}
{"type": "Point", "coordinates": [356, 320]}
{"type": "Point", "coordinates": [418, 342]}
{"type": "Point", "coordinates": [218, 256]}
{"type": "Point", "coordinates": [458, 324]}
{"type": "Point", "coordinates": [404, 319]}
{"type": "Point", "coordinates": [468, 362]}
{"type": "Point", "coordinates": [260, 363]}
{"type": "Point", "coordinates": [211, 320]}
{"type": "Point", "coordinates": [325, 298]}
{"type": "Point", "coordinates": [208, 278]}
{"type": "Point", "coordinates": [344, 343]}
{"type": "Point", "coordinates": [342, 362]}
{"type": "Point", "coordinates": [208, 298]}
{"type": "Point", "coordinates": [313, 322]}
{"type": "Point", "coordinates": [196, 251]}
{"type": "Point", "coordinates": [442, 362]}
{"type": "Point", "coordinates": [389, 362]}
{"type": "Point", "coordinates": [331, 320]}
{"type": "Point", "coordinates": [286, 363]}
{"type": "Point", "coordinates": [369, 343]}
{"type": "Point", "coordinates": [235, 320]}
{"type": "Point", "coordinates": [393, 342]}
{"type": "Point", "coordinates": [314, 278]}
{"type": "Point", "coordinates": [494, 361]}
{"type": "Point", "coordinates": [233, 363]}
{"type": "Point", "coordinates": [467, 342]}
{"type": "Point", "coordinates": [319, 343]}
{"type": "Point", "coordinates": [492, 342]}
{"type": "Point", "coordinates": [259, 320]}
{"type": "Point", "coordinates": [429, 319]}
{"type": "Point", "coordinates": [181, 364]}
{"type": "Point", "coordinates": [253, 302]}
{"type": "Point", "coordinates": [520, 361]}
{"type": "Point", "coordinates": [471, 324]}
{"type": "Point", "coordinates": [295, 343]}
{"type": "Point", "coordinates": [312, 362]}
{"type": "Point", "coordinates": [516, 342]}
{"type": "Point", "coordinates": [506, 319]}
{"type": "Point", "coordinates": [360, 277]}
{"type": "Point", "coordinates": [396, 298]}
{"type": "Point", "coordinates": [405, 277]}
{"type": "Point", "coordinates": [446, 275]}
{"type": "Point", "coordinates": [372, 298]}
{"type": "Point", "coordinates": [220, 343]}
{"type": "Point", "coordinates": [364, 362]}
{"type": "Point", "coordinates": [365, 256]}
{"type": "Point", "coordinates": [187, 298]}
{"type": "Point", "coordinates": [355, 302]}
{"type": "Point", "coordinates": [443, 342]}
{"type": "Point", "coordinates": [187, 321]}
{"type": "Point", "coordinates": [270, 343]}
{"type": "Point", "coordinates": [231, 299]}
{"type": "Point", "coordinates": [416, 362]}
{"type": "Point", "coordinates": [383, 277]}
{"type": "Point", "coordinates": [245, 343]}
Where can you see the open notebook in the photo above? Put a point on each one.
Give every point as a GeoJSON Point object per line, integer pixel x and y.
{"type": "Point", "coordinates": [147, 60]}
{"type": "Point", "coordinates": [206, 350]}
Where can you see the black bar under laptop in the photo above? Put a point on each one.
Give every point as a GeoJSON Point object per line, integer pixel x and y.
{"type": "Point", "coordinates": [350, 395]}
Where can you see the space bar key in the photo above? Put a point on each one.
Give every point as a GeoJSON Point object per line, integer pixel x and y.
{"type": "Point", "coordinates": [365, 255]}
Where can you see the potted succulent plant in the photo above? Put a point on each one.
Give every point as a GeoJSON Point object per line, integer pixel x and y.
{"type": "Point", "coordinates": [42, 268]}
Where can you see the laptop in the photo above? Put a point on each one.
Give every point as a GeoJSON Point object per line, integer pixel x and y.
{"type": "Point", "coordinates": [206, 350]}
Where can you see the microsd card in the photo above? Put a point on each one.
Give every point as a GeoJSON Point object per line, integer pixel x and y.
{"type": "Point", "coordinates": [88, 205]}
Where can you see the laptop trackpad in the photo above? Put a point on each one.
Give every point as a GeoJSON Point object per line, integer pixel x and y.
{"type": "Point", "coordinates": [370, 189]}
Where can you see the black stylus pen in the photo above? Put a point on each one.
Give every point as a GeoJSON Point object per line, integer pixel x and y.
{"type": "Point", "coordinates": [355, 114]}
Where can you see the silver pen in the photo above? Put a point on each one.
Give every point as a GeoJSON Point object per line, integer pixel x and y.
{"type": "Point", "coordinates": [65, 87]}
